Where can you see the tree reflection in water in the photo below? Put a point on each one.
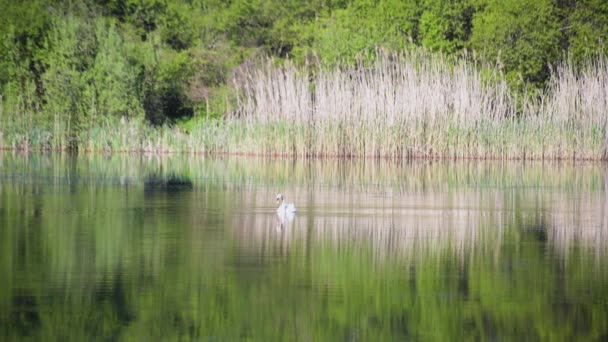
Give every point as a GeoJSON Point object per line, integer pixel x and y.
{"type": "Point", "coordinates": [173, 247]}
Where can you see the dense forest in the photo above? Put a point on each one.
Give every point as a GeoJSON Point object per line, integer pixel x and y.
{"type": "Point", "coordinates": [67, 67]}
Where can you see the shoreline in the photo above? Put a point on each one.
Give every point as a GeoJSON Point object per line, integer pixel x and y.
{"type": "Point", "coordinates": [286, 156]}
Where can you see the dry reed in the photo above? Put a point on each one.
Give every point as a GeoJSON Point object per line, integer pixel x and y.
{"type": "Point", "coordinates": [418, 104]}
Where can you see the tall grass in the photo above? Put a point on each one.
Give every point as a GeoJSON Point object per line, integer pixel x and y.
{"type": "Point", "coordinates": [418, 104]}
{"type": "Point", "coordinates": [408, 105]}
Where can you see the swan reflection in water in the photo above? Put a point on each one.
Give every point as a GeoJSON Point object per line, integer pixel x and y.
{"type": "Point", "coordinates": [285, 212]}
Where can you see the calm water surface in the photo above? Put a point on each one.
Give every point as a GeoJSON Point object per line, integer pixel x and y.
{"type": "Point", "coordinates": [140, 248]}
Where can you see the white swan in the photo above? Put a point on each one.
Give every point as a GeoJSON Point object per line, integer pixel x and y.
{"type": "Point", "coordinates": [284, 209]}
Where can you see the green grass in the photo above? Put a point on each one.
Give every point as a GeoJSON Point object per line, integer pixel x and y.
{"type": "Point", "coordinates": [507, 139]}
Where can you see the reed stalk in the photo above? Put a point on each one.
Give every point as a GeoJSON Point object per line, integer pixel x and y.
{"type": "Point", "coordinates": [417, 104]}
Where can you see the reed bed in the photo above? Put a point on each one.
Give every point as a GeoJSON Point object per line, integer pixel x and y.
{"type": "Point", "coordinates": [418, 104]}
{"type": "Point", "coordinates": [409, 105]}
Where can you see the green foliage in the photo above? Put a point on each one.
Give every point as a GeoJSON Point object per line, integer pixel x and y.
{"type": "Point", "coordinates": [587, 30]}
{"type": "Point", "coordinates": [446, 26]}
{"type": "Point", "coordinates": [22, 34]}
{"type": "Point", "coordinates": [521, 36]}
{"type": "Point", "coordinates": [357, 30]}
{"type": "Point", "coordinates": [248, 22]}
{"type": "Point", "coordinates": [112, 81]}
{"type": "Point", "coordinates": [146, 15]}
{"type": "Point", "coordinates": [177, 30]}
{"type": "Point", "coordinates": [165, 87]}
{"type": "Point", "coordinates": [70, 63]}
{"type": "Point", "coordinates": [71, 50]}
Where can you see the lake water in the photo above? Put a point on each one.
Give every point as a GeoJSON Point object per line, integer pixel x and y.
{"type": "Point", "coordinates": [187, 247]}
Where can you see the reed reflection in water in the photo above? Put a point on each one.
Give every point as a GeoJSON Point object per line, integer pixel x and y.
{"type": "Point", "coordinates": [137, 247]}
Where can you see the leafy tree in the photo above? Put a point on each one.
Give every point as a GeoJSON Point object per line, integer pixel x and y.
{"type": "Point", "coordinates": [165, 87]}
{"type": "Point", "coordinates": [446, 26]}
{"type": "Point", "coordinates": [112, 81]}
{"type": "Point", "coordinates": [363, 26]}
{"type": "Point", "coordinates": [146, 15]}
{"type": "Point", "coordinates": [521, 35]}
{"type": "Point", "coordinates": [587, 29]}
{"type": "Point", "coordinates": [23, 28]}
{"type": "Point", "coordinates": [177, 30]}
{"type": "Point", "coordinates": [71, 50]}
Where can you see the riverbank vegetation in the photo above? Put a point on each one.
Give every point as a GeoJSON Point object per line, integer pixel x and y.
{"type": "Point", "coordinates": [401, 79]}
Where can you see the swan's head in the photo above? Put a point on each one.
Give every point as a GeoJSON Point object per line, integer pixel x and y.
{"type": "Point", "coordinates": [279, 198]}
